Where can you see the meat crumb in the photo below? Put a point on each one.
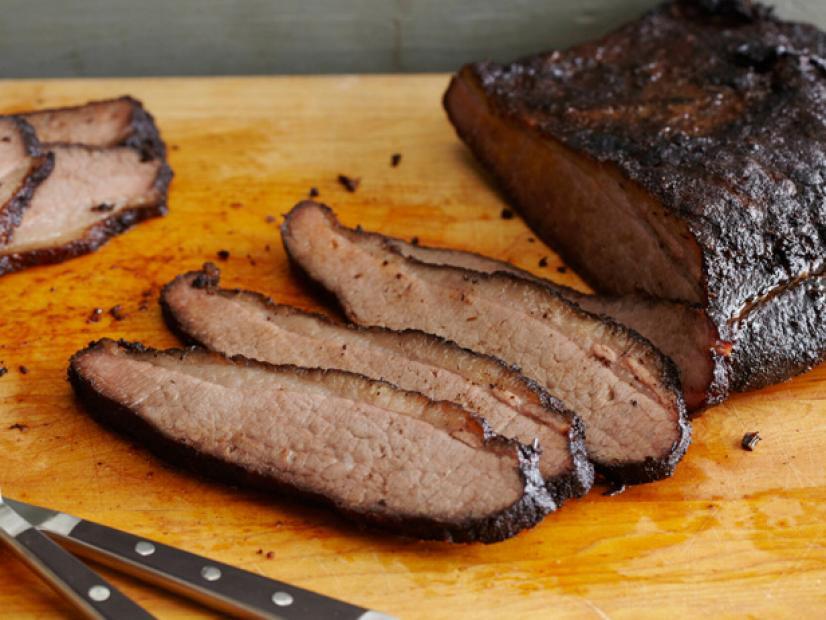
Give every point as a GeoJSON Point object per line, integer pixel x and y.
{"type": "Point", "coordinates": [116, 312]}
{"type": "Point", "coordinates": [351, 184]}
{"type": "Point", "coordinates": [562, 269]}
{"type": "Point", "coordinates": [270, 555]}
{"type": "Point", "coordinates": [17, 426]}
{"type": "Point", "coordinates": [23, 370]}
{"type": "Point", "coordinates": [313, 192]}
{"type": "Point", "coordinates": [95, 315]}
{"type": "Point", "coordinates": [750, 441]}
{"type": "Point", "coordinates": [222, 254]}
{"type": "Point", "coordinates": [395, 159]}
{"type": "Point", "coordinates": [614, 488]}
{"type": "Point", "coordinates": [506, 214]}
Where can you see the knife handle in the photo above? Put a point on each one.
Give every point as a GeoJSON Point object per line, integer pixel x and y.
{"type": "Point", "coordinates": [227, 588]}
{"type": "Point", "coordinates": [93, 596]}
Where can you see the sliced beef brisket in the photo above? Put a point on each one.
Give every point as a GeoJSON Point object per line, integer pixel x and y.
{"type": "Point", "coordinates": [683, 155]}
{"type": "Point", "coordinates": [91, 194]}
{"type": "Point", "coordinates": [625, 390]}
{"type": "Point", "coordinates": [682, 331]}
{"type": "Point", "coordinates": [379, 455]}
{"type": "Point", "coordinates": [237, 322]}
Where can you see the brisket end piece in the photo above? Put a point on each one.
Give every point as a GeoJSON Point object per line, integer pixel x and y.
{"type": "Point", "coordinates": [23, 166]}
{"type": "Point", "coordinates": [626, 392]}
{"type": "Point", "coordinates": [92, 194]}
{"type": "Point", "coordinates": [683, 156]}
{"type": "Point", "coordinates": [682, 331]}
{"type": "Point", "coordinates": [239, 322]}
{"type": "Point", "coordinates": [111, 122]}
{"type": "Point", "coordinates": [379, 455]}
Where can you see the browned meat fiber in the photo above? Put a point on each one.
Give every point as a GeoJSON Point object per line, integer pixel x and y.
{"type": "Point", "coordinates": [237, 322]}
{"type": "Point", "coordinates": [91, 194]}
{"type": "Point", "coordinates": [682, 156]}
{"type": "Point", "coordinates": [111, 122]}
{"type": "Point", "coordinates": [23, 166]}
{"type": "Point", "coordinates": [682, 331]}
{"type": "Point", "coordinates": [626, 391]}
{"type": "Point", "coordinates": [378, 454]}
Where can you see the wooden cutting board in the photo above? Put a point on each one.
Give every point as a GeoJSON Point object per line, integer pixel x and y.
{"type": "Point", "coordinates": [733, 534]}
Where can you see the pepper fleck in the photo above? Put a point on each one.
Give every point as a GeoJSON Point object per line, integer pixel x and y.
{"type": "Point", "coordinates": [95, 315]}
{"type": "Point", "coordinates": [395, 159]}
{"type": "Point", "coordinates": [750, 441]}
{"type": "Point", "coordinates": [222, 254]}
{"type": "Point", "coordinates": [351, 184]}
{"type": "Point", "coordinates": [116, 312]}
{"type": "Point", "coordinates": [313, 192]}
{"type": "Point", "coordinates": [23, 370]}
{"type": "Point", "coordinates": [543, 262]}
{"type": "Point", "coordinates": [506, 214]}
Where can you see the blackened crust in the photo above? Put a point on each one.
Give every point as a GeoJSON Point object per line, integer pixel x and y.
{"type": "Point", "coordinates": [145, 136]}
{"type": "Point", "coordinates": [782, 336]}
{"type": "Point", "coordinates": [634, 472]}
{"type": "Point", "coordinates": [529, 510]}
{"type": "Point", "coordinates": [574, 483]}
{"type": "Point", "coordinates": [96, 235]}
{"type": "Point", "coordinates": [42, 164]}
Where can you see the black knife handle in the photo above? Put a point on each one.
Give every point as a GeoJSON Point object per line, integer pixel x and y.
{"type": "Point", "coordinates": [90, 593]}
{"type": "Point", "coordinates": [227, 588]}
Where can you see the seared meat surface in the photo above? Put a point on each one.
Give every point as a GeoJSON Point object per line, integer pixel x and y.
{"type": "Point", "coordinates": [626, 391]}
{"type": "Point", "coordinates": [680, 330]}
{"type": "Point", "coordinates": [682, 156]}
{"type": "Point", "coordinates": [378, 454]}
{"type": "Point", "coordinates": [237, 322]}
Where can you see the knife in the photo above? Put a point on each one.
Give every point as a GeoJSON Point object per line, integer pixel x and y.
{"type": "Point", "coordinates": [217, 585]}
{"type": "Point", "coordinates": [91, 595]}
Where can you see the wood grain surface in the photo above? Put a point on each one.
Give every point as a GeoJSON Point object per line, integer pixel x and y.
{"type": "Point", "coordinates": [733, 534]}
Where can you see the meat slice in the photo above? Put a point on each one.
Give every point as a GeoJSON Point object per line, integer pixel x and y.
{"type": "Point", "coordinates": [680, 330]}
{"type": "Point", "coordinates": [378, 454]}
{"type": "Point", "coordinates": [23, 166]}
{"type": "Point", "coordinates": [91, 194]}
{"type": "Point", "coordinates": [237, 322]}
{"type": "Point", "coordinates": [626, 391]}
{"type": "Point", "coordinates": [682, 156]}
{"type": "Point", "coordinates": [111, 122]}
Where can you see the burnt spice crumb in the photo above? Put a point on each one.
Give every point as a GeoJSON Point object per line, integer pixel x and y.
{"type": "Point", "coordinates": [313, 192]}
{"type": "Point", "coordinates": [222, 254]}
{"type": "Point", "coordinates": [750, 441]}
{"type": "Point", "coordinates": [3, 370]}
{"type": "Point", "coordinates": [269, 555]}
{"type": "Point", "coordinates": [543, 262]}
{"type": "Point", "coordinates": [384, 263]}
{"type": "Point", "coordinates": [633, 402]}
{"type": "Point", "coordinates": [116, 312]}
{"type": "Point", "coordinates": [395, 159]}
{"type": "Point", "coordinates": [23, 370]}
{"type": "Point", "coordinates": [95, 315]}
{"type": "Point", "coordinates": [351, 184]}
{"type": "Point", "coordinates": [415, 241]}
{"type": "Point", "coordinates": [562, 269]}
{"type": "Point", "coordinates": [506, 214]}
{"type": "Point", "coordinates": [17, 426]}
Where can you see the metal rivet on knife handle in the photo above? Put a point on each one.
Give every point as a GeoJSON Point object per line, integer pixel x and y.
{"type": "Point", "coordinates": [99, 593]}
{"type": "Point", "coordinates": [144, 548]}
{"type": "Point", "coordinates": [211, 573]}
{"type": "Point", "coordinates": [282, 599]}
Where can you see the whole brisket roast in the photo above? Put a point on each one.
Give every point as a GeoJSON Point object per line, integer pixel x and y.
{"type": "Point", "coordinates": [378, 454]}
{"type": "Point", "coordinates": [682, 331]}
{"type": "Point", "coordinates": [237, 322]}
{"type": "Point", "coordinates": [625, 390]}
{"type": "Point", "coordinates": [682, 156]}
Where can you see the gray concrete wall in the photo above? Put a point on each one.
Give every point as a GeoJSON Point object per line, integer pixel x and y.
{"type": "Point", "coordinates": [45, 38]}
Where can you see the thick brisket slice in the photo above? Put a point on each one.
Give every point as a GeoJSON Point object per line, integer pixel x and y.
{"type": "Point", "coordinates": [23, 166]}
{"type": "Point", "coordinates": [626, 392]}
{"type": "Point", "coordinates": [378, 454]}
{"type": "Point", "coordinates": [682, 331]}
{"type": "Point", "coordinates": [91, 195]}
{"type": "Point", "coordinates": [237, 322]}
{"type": "Point", "coordinates": [112, 122]}
{"type": "Point", "coordinates": [683, 155]}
